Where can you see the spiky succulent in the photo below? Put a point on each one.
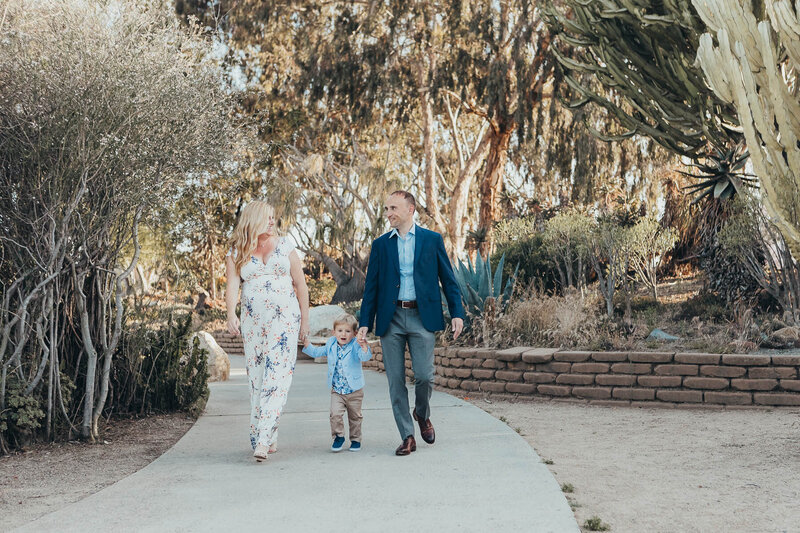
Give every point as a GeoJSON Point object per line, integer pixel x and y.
{"type": "Point", "coordinates": [721, 174]}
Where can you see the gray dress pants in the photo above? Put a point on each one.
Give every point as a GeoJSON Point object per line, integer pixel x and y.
{"type": "Point", "coordinates": [406, 328]}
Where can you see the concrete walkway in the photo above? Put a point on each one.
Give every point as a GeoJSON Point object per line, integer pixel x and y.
{"type": "Point", "coordinates": [479, 476]}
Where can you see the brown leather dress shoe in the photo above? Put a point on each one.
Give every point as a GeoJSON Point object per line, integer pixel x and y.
{"type": "Point", "coordinates": [409, 445]}
{"type": "Point", "coordinates": [426, 429]}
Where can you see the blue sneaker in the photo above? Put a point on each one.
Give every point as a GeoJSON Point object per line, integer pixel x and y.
{"type": "Point", "coordinates": [355, 446]}
{"type": "Point", "coordinates": [338, 442]}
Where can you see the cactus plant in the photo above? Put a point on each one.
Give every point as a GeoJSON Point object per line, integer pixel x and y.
{"type": "Point", "coordinates": [481, 288]}
{"type": "Point", "coordinates": [747, 56]}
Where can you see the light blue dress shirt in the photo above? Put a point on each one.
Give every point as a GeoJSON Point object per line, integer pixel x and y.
{"type": "Point", "coordinates": [405, 252]}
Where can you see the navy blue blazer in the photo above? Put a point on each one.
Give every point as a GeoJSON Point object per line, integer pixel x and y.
{"type": "Point", "coordinates": [431, 265]}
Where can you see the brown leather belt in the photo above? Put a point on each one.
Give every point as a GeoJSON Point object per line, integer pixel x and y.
{"type": "Point", "coordinates": [407, 304]}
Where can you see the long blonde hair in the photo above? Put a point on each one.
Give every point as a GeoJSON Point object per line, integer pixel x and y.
{"type": "Point", "coordinates": [253, 221]}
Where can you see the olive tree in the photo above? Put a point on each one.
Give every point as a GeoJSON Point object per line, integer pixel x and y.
{"type": "Point", "coordinates": [106, 109]}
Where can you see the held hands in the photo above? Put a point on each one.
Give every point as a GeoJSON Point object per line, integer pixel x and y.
{"type": "Point", "coordinates": [233, 325]}
{"type": "Point", "coordinates": [457, 324]}
{"type": "Point", "coordinates": [363, 343]}
{"type": "Point", "coordinates": [304, 330]}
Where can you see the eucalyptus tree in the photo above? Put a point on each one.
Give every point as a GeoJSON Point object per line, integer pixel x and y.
{"type": "Point", "coordinates": [366, 63]}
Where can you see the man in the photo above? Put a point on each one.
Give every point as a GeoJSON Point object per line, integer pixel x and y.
{"type": "Point", "coordinates": [402, 298]}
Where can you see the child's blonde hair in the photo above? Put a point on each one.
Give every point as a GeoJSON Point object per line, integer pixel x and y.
{"type": "Point", "coordinates": [348, 320]}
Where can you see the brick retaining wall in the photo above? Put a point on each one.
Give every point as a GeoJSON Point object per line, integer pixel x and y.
{"type": "Point", "coordinates": [233, 345]}
{"type": "Point", "coordinates": [620, 378]}
{"type": "Point", "coordinates": [609, 378]}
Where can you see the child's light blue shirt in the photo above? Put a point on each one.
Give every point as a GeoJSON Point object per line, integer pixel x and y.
{"type": "Point", "coordinates": [351, 357]}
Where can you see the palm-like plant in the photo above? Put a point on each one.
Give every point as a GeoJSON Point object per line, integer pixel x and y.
{"type": "Point", "coordinates": [721, 174]}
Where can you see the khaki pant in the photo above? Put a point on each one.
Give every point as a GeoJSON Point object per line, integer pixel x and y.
{"type": "Point", "coordinates": [350, 403]}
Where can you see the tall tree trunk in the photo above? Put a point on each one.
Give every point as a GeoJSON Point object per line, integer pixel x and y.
{"type": "Point", "coordinates": [492, 181]}
{"type": "Point", "coordinates": [432, 207]}
{"type": "Point", "coordinates": [111, 347]}
{"type": "Point", "coordinates": [91, 358]}
{"type": "Point", "coordinates": [460, 197]}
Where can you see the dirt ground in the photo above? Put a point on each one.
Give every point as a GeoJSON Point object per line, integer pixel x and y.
{"type": "Point", "coordinates": [667, 470]}
{"type": "Point", "coordinates": [47, 477]}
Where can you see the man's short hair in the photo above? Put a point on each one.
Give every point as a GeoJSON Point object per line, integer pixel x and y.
{"type": "Point", "coordinates": [407, 195]}
{"type": "Point", "coordinates": [348, 320]}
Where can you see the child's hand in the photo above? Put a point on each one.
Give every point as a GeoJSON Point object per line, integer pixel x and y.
{"type": "Point", "coordinates": [306, 342]}
{"type": "Point", "coordinates": [363, 343]}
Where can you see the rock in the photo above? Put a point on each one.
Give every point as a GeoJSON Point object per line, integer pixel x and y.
{"type": "Point", "coordinates": [787, 336]}
{"type": "Point", "coordinates": [321, 317]}
{"type": "Point", "coordinates": [660, 335]}
{"type": "Point", "coordinates": [219, 365]}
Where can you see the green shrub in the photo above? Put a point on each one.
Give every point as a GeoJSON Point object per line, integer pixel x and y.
{"type": "Point", "coordinates": [595, 524]}
{"type": "Point", "coordinates": [516, 229]}
{"type": "Point", "coordinates": [531, 257]}
{"type": "Point", "coordinates": [22, 414]}
{"type": "Point", "coordinates": [191, 386]}
{"type": "Point", "coordinates": [648, 243]}
{"type": "Point", "coordinates": [566, 238]}
{"type": "Point", "coordinates": [158, 370]}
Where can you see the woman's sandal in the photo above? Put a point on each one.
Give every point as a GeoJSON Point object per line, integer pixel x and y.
{"type": "Point", "coordinates": [260, 453]}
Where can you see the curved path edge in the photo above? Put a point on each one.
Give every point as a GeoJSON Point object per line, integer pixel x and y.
{"type": "Point", "coordinates": [479, 476]}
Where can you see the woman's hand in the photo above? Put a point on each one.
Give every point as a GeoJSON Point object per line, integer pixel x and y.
{"type": "Point", "coordinates": [304, 329]}
{"type": "Point", "coordinates": [233, 325]}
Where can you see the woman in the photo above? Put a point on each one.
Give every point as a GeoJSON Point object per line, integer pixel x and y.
{"type": "Point", "coordinates": [274, 313]}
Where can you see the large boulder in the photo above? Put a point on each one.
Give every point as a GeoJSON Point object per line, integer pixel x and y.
{"type": "Point", "coordinates": [219, 365]}
{"type": "Point", "coordinates": [321, 317]}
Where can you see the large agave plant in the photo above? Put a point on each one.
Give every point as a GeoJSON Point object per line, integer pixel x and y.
{"type": "Point", "coordinates": [479, 285]}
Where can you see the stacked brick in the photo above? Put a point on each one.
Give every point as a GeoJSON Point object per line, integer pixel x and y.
{"type": "Point", "coordinates": [610, 378]}
{"type": "Point", "coordinates": [621, 378]}
{"type": "Point", "coordinates": [232, 344]}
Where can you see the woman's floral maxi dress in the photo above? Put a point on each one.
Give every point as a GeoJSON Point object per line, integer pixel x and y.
{"type": "Point", "coordinates": [270, 324]}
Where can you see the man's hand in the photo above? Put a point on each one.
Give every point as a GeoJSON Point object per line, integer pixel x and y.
{"type": "Point", "coordinates": [362, 334]}
{"type": "Point", "coordinates": [457, 324]}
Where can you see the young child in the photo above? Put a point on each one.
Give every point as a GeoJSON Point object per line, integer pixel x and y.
{"type": "Point", "coordinates": [345, 378]}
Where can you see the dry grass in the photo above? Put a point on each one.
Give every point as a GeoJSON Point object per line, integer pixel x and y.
{"type": "Point", "coordinates": [702, 322]}
{"type": "Point", "coordinates": [536, 318]}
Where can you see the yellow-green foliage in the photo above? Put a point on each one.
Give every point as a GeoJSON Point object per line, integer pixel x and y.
{"type": "Point", "coordinates": [567, 238]}
{"type": "Point", "coordinates": [515, 229]}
